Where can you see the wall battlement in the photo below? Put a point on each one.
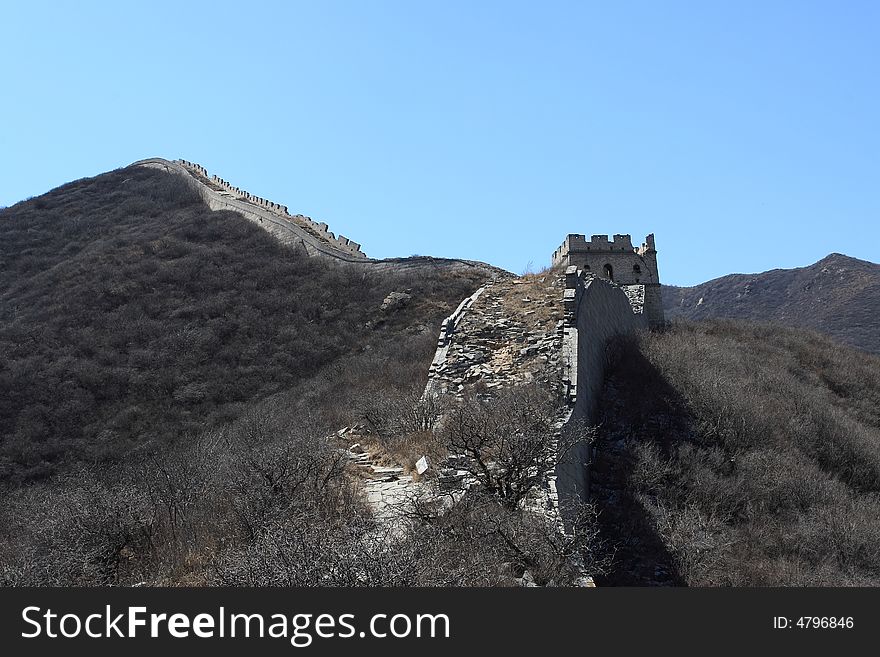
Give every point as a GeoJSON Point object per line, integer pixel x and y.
{"type": "Point", "coordinates": [319, 229]}
{"type": "Point", "coordinates": [300, 231]}
{"type": "Point", "coordinates": [620, 243]}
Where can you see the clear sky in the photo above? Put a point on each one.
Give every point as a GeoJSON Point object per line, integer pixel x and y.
{"type": "Point", "coordinates": [743, 134]}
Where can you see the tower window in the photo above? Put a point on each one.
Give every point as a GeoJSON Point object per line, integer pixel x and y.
{"type": "Point", "coordinates": [609, 272]}
{"type": "Point", "coordinates": [637, 269]}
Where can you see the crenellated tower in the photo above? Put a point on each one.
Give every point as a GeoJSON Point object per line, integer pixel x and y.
{"type": "Point", "coordinates": [616, 260]}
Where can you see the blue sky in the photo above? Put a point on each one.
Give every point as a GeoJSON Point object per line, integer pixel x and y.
{"type": "Point", "coordinates": [743, 134]}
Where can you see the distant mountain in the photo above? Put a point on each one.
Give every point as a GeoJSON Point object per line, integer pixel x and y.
{"type": "Point", "coordinates": [839, 296]}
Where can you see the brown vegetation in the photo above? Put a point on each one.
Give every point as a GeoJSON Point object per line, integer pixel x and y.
{"type": "Point", "coordinates": [266, 500]}
{"type": "Point", "coordinates": [741, 454]}
{"type": "Point", "coordinates": [171, 381]}
{"type": "Point", "coordinates": [131, 315]}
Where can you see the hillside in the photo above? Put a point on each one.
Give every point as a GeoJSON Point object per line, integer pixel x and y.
{"type": "Point", "coordinates": [131, 315]}
{"type": "Point", "coordinates": [741, 454]}
{"type": "Point", "coordinates": [838, 295]}
{"type": "Point", "coordinates": [187, 400]}
{"type": "Point", "coordinates": [179, 394]}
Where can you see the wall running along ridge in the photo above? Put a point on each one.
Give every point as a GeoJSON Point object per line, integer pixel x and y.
{"type": "Point", "coordinates": [298, 230]}
{"type": "Point", "coordinates": [293, 230]}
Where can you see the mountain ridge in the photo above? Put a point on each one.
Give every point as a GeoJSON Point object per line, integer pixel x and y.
{"type": "Point", "coordinates": [838, 295]}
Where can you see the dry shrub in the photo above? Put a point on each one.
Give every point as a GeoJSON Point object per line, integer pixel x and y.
{"type": "Point", "coordinates": [753, 451]}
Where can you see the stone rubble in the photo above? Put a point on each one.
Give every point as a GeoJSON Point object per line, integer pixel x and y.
{"type": "Point", "coordinates": [504, 338]}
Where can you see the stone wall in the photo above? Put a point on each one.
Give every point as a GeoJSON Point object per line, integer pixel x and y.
{"type": "Point", "coordinates": [595, 311]}
{"type": "Point", "coordinates": [294, 230]}
{"type": "Point", "coordinates": [319, 228]}
{"type": "Point", "coordinates": [300, 231]}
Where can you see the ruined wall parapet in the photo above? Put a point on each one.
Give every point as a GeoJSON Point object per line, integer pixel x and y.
{"type": "Point", "coordinates": [647, 246]}
{"type": "Point", "coordinates": [447, 330]}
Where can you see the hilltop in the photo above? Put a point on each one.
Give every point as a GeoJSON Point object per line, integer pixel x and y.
{"type": "Point", "coordinates": [838, 295]}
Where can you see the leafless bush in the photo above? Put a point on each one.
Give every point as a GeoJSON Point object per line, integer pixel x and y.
{"type": "Point", "coordinates": [391, 413]}
{"type": "Point", "coordinates": [89, 534]}
{"type": "Point", "coordinates": [183, 489]}
{"type": "Point", "coordinates": [510, 441]}
{"type": "Point", "coordinates": [272, 470]}
{"type": "Point", "coordinates": [697, 541]}
{"type": "Point", "coordinates": [306, 550]}
{"type": "Point", "coordinates": [479, 541]}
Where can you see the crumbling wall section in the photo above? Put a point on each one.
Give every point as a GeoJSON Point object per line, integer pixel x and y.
{"type": "Point", "coordinates": [509, 333]}
{"type": "Point", "coordinates": [447, 330]}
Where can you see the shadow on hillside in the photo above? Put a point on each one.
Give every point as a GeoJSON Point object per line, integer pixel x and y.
{"type": "Point", "coordinates": [637, 404]}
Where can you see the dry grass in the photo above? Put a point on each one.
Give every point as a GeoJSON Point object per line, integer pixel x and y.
{"type": "Point", "coordinates": [535, 300]}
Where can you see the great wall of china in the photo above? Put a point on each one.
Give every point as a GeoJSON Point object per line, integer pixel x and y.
{"type": "Point", "coordinates": [556, 328]}
{"type": "Point", "coordinates": [295, 230]}
{"type": "Point", "coordinates": [552, 327]}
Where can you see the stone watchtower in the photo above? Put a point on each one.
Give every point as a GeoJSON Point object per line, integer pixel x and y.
{"type": "Point", "coordinates": [619, 262]}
